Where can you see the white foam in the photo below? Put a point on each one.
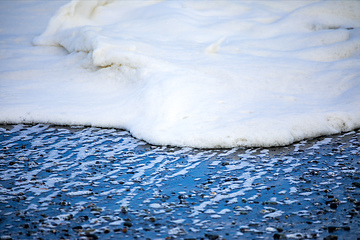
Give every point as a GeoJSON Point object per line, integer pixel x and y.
{"type": "Point", "coordinates": [186, 73]}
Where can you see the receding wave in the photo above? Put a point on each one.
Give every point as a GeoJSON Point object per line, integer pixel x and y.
{"type": "Point", "coordinates": [196, 73]}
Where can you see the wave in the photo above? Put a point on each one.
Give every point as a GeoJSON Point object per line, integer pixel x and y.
{"type": "Point", "coordinates": [200, 74]}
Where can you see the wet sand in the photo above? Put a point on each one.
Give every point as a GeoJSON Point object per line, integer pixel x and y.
{"type": "Point", "coordinates": [91, 183]}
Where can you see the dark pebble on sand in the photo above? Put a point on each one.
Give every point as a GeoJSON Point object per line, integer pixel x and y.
{"type": "Point", "coordinates": [279, 236]}
{"type": "Point", "coordinates": [128, 224]}
{"type": "Point", "coordinates": [331, 237]}
{"type": "Point", "coordinates": [332, 229]}
{"type": "Point", "coordinates": [346, 228]}
{"type": "Point", "coordinates": [333, 205]}
{"type": "Point", "coordinates": [212, 236]}
{"type": "Point", "coordinates": [91, 237]}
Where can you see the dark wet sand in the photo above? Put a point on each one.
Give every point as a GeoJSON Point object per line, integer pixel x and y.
{"type": "Point", "coordinates": [91, 183]}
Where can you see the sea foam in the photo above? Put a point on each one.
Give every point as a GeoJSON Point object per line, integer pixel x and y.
{"type": "Point", "coordinates": [195, 73]}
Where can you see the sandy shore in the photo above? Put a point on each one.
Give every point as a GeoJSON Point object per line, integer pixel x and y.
{"type": "Point", "coordinates": [92, 183]}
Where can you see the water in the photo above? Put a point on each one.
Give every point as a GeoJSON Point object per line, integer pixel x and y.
{"type": "Point", "coordinates": [93, 183]}
{"type": "Point", "coordinates": [184, 73]}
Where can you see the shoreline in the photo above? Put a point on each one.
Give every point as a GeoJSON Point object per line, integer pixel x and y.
{"type": "Point", "coordinates": [70, 127]}
{"type": "Point", "coordinates": [94, 183]}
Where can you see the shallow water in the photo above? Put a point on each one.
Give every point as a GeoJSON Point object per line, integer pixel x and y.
{"type": "Point", "coordinates": [92, 183]}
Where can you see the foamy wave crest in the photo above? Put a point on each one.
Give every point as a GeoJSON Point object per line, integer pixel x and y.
{"type": "Point", "coordinates": [199, 73]}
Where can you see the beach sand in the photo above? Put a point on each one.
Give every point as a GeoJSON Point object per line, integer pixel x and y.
{"type": "Point", "coordinates": [91, 183]}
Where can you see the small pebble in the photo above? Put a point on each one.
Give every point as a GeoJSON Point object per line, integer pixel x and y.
{"type": "Point", "coordinates": [331, 237]}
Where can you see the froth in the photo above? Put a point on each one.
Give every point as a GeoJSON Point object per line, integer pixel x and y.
{"type": "Point", "coordinates": [202, 75]}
